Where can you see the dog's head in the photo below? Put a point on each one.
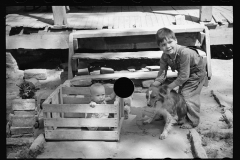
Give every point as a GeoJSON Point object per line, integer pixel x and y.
{"type": "Point", "coordinates": [154, 94]}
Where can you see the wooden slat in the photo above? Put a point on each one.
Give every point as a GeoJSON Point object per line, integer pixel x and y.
{"type": "Point", "coordinates": [74, 134]}
{"type": "Point", "coordinates": [81, 122]}
{"type": "Point", "coordinates": [76, 90]}
{"type": "Point", "coordinates": [75, 100]}
{"type": "Point", "coordinates": [228, 17]}
{"type": "Point", "coordinates": [37, 41]}
{"type": "Point", "coordinates": [22, 120]}
{"type": "Point", "coordinates": [79, 108]}
{"type": "Point", "coordinates": [222, 9]}
{"type": "Point", "coordinates": [119, 55]}
{"type": "Point", "coordinates": [131, 75]}
{"type": "Point", "coordinates": [217, 36]}
{"type": "Point", "coordinates": [135, 31]}
{"type": "Point", "coordinates": [208, 51]}
{"type": "Point", "coordinates": [218, 16]}
{"type": "Point", "coordinates": [205, 13]}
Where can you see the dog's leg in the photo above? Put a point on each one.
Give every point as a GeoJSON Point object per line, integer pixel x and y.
{"type": "Point", "coordinates": [168, 124]}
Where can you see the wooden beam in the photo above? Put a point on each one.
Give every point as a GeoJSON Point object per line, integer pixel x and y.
{"type": "Point", "coordinates": [221, 36]}
{"type": "Point", "coordinates": [81, 122]}
{"type": "Point", "coordinates": [131, 75]}
{"type": "Point", "coordinates": [77, 134]}
{"type": "Point", "coordinates": [38, 41]}
{"type": "Point", "coordinates": [205, 13]}
{"type": "Point", "coordinates": [59, 15]}
{"type": "Point", "coordinates": [122, 55]}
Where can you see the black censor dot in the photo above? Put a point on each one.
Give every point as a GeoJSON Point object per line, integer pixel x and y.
{"type": "Point", "coordinates": [123, 87]}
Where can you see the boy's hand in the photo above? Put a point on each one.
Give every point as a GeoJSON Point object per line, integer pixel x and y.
{"type": "Point", "coordinates": [93, 104]}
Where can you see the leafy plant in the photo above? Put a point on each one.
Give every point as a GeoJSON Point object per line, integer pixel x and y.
{"type": "Point", "coordinates": [27, 90]}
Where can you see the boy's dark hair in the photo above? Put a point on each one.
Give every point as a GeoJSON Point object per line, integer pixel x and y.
{"type": "Point", "coordinates": [164, 34]}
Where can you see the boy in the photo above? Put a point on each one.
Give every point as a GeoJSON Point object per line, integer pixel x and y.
{"type": "Point", "coordinates": [191, 73]}
{"type": "Point", "coordinates": [98, 96]}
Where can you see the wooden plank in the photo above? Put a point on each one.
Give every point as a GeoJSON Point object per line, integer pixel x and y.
{"type": "Point", "coordinates": [59, 15]}
{"type": "Point", "coordinates": [134, 31]}
{"type": "Point", "coordinates": [119, 55]}
{"type": "Point", "coordinates": [230, 8]}
{"type": "Point", "coordinates": [148, 18]}
{"type": "Point", "coordinates": [218, 16]}
{"type": "Point", "coordinates": [205, 13]}
{"type": "Point", "coordinates": [23, 104]}
{"type": "Point", "coordinates": [131, 75]}
{"type": "Point", "coordinates": [188, 18]}
{"type": "Point", "coordinates": [207, 49]}
{"type": "Point", "coordinates": [228, 17]}
{"type": "Point", "coordinates": [222, 9]}
{"type": "Point", "coordinates": [22, 120]}
{"type": "Point", "coordinates": [79, 108]}
{"type": "Point", "coordinates": [197, 144]}
{"type": "Point", "coordinates": [75, 134]}
{"type": "Point", "coordinates": [120, 127]}
{"type": "Point", "coordinates": [221, 36]}
{"type": "Point", "coordinates": [24, 113]}
{"type": "Point", "coordinates": [126, 22]}
{"type": "Point", "coordinates": [193, 12]}
{"type": "Point", "coordinates": [38, 41]}
{"type": "Point", "coordinates": [76, 90]}
{"type": "Point", "coordinates": [138, 21]}
{"type": "Point", "coordinates": [74, 100]}
{"type": "Point", "coordinates": [81, 122]}
{"type": "Point", "coordinates": [21, 130]}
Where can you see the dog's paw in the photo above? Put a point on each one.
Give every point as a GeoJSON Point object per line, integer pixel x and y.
{"type": "Point", "coordinates": [163, 135]}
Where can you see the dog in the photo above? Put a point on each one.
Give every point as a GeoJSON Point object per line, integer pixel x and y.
{"type": "Point", "coordinates": [166, 104]}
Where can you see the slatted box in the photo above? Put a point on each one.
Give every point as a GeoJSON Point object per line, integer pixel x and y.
{"type": "Point", "coordinates": [64, 118]}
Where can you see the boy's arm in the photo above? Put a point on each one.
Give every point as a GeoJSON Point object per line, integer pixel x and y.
{"type": "Point", "coordinates": [162, 73]}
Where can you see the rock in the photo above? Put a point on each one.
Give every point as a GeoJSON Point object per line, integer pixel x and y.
{"type": "Point", "coordinates": [11, 62]}
{"type": "Point", "coordinates": [83, 71]}
{"type": "Point", "coordinates": [34, 82]}
{"type": "Point", "coordinates": [40, 74]}
{"type": "Point", "coordinates": [147, 83]}
{"type": "Point", "coordinates": [37, 144]}
{"type": "Point", "coordinates": [21, 130]}
{"type": "Point", "coordinates": [23, 104]}
{"type": "Point", "coordinates": [105, 70]}
{"type": "Point", "coordinates": [81, 82]}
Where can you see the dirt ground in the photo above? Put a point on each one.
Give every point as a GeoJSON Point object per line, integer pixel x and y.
{"type": "Point", "coordinates": [221, 82]}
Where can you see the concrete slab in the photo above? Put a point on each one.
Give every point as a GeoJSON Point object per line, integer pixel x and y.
{"type": "Point", "coordinates": [136, 141]}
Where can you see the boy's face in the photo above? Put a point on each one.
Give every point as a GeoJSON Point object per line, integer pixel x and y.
{"type": "Point", "coordinates": [98, 94]}
{"type": "Point", "coordinates": [168, 46]}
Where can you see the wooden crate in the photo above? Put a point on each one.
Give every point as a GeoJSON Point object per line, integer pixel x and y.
{"type": "Point", "coordinates": [64, 116]}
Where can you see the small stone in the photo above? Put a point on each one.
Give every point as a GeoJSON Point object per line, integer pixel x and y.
{"type": "Point", "coordinates": [40, 74]}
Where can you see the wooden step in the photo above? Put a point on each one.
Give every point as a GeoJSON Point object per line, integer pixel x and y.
{"type": "Point", "coordinates": [119, 55]}
{"type": "Point", "coordinates": [123, 55]}
{"type": "Point", "coordinates": [130, 75]}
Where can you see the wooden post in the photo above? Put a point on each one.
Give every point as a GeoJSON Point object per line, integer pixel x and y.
{"type": "Point", "coordinates": [59, 16]}
{"type": "Point", "coordinates": [205, 13]}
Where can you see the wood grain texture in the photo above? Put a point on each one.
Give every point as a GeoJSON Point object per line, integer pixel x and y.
{"type": "Point", "coordinates": [79, 108]}
{"type": "Point", "coordinates": [76, 134]}
{"type": "Point", "coordinates": [81, 122]}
